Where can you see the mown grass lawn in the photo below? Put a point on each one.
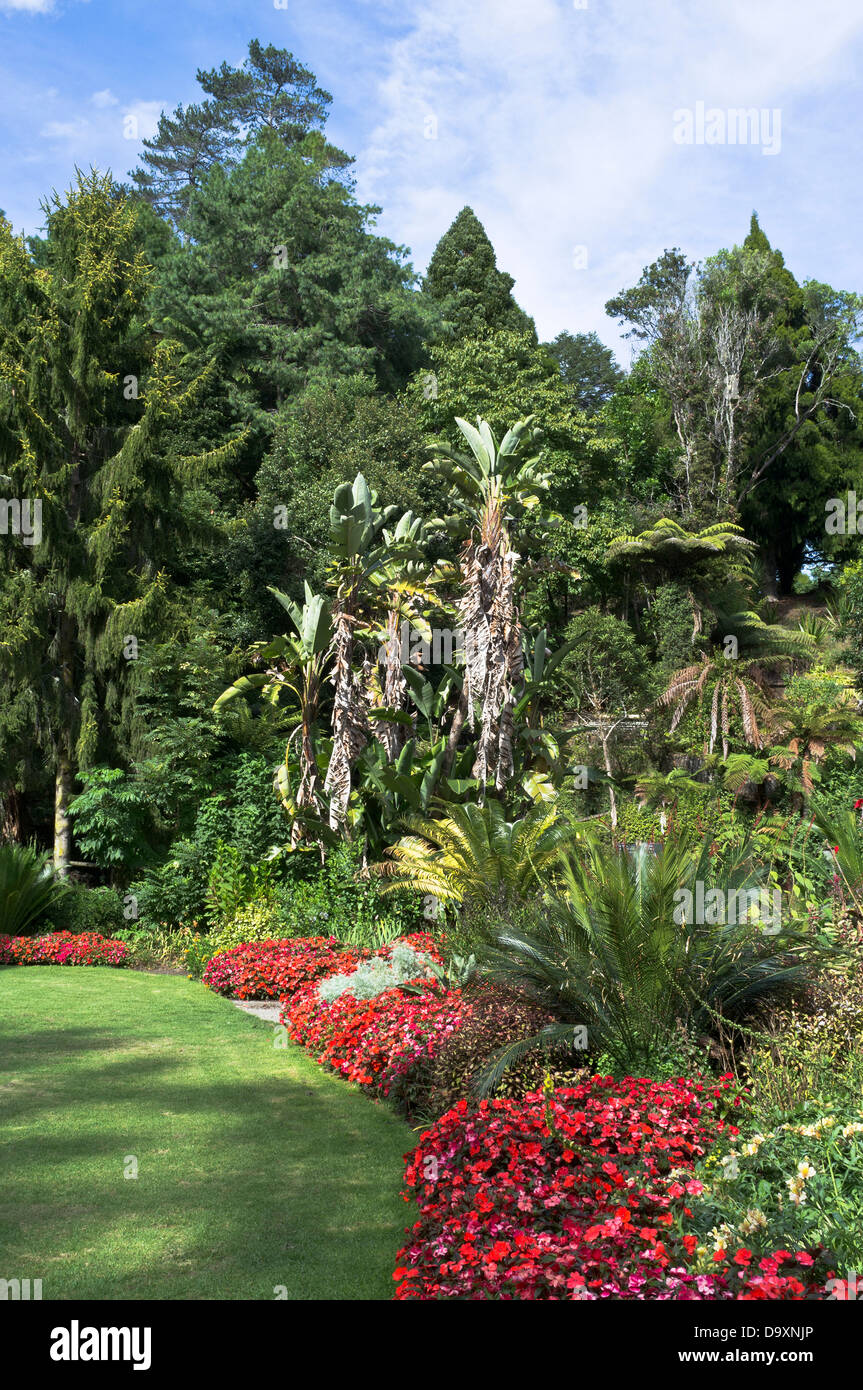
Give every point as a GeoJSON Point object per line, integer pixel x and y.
{"type": "Point", "coordinates": [255, 1168]}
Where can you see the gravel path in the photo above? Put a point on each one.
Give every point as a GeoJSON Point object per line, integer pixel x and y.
{"type": "Point", "coordinates": [261, 1008]}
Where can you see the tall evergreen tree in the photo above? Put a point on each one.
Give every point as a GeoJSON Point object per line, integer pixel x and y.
{"type": "Point", "coordinates": [284, 280]}
{"type": "Point", "coordinates": [271, 91]}
{"type": "Point", "coordinates": [463, 279]}
{"type": "Point", "coordinates": [85, 443]}
{"type": "Point", "coordinates": [824, 457]}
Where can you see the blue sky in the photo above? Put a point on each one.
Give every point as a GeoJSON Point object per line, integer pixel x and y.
{"type": "Point", "coordinates": [554, 119]}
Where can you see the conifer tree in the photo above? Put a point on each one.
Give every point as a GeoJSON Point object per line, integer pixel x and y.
{"type": "Point", "coordinates": [85, 450]}
{"type": "Point", "coordinates": [272, 91]}
{"type": "Point", "coordinates": [475, 297]}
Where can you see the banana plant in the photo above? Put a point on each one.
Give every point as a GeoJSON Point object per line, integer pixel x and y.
{"type": "Point", "coordinates": [406, 588]}
{"type": "Point", "coordinates": [297, 664]}
{"type": "Point", "coordinates": [491, 489]}
{"type": "Point", "coordinates": [356, 527]}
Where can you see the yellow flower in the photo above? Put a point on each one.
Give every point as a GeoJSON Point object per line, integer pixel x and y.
{"type": "Point", "coordinates": [753, 1221]}
{"type": "Point", "coordinates": [805, 1169]}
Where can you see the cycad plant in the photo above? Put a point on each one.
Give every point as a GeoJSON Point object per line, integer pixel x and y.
{"type": "Point", "coordinates": [618, 952]}
{"type": "Point", "coordinates": [473, 853]}
{"type": "Point", "coordinates": [28, 889]}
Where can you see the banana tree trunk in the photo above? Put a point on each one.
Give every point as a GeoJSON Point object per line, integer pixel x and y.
{"type": "Point", "coordinates": [349, 721]}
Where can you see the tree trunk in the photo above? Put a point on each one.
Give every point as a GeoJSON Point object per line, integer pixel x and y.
{"type": "Point", "coordinates": [771, 567]}
{"type": "Point", "coordinates": [458, 721]}
{"type": "Point", "coordinates": [62, 822]}
{"type": "Point", "coordinates": [604, 736]}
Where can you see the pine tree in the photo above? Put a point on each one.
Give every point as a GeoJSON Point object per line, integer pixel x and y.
{"type": "Point", "coordinates": [271, 91]}
{"type": "Point", "coordinates": [475, 297]}
{"type": "Point", "coordinates": [284, 280]}
{"type": "Point", "coordinates": [85, 427]}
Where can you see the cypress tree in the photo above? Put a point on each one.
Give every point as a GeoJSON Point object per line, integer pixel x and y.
{"type": "Point", "coordinates": [475, 297]}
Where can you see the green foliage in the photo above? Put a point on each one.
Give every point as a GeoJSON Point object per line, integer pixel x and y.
{"type": "Point", "coordinates": [90, 910]}
{"type": "Point", "coordinates": [610, 952]}
{"type": "Point", "coordinates": [113, 819]}
{"type": "Point", "coordinates": [603, 672]}
{"type": "Point", "coordinates": [164, 949]}
{"type": "Point", "coordinates": [282, 279]}
{"type": "Point", "coordinates": [270, 90]}
{"type": "Point", "coordinates": [334, 900]}
{"type": "Point", "coordinates": [233, 882]}
{"type": "Point", "coordinates": [473, 296]}
{"type": "Point", "coordinates": [473, 853]}
{"type": "Point", "coordinates": [587, 367]}
{"type": "Point", "coordinates": [257, 920]}
{"type": "Point", "coordinates": [237, 832]}
{"type": "Point", "coordinates": [851, 616]}
{"type": "Point", "coordinates": [795, 1185]}
{"type": "Point", "coordinates": [29, 892]}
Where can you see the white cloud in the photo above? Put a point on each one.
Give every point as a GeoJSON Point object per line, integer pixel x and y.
{"type": "Point", "coordinates": [145, 118]}
{"type": "Point", "coordinates": [104, 98]}
{"type": "Point", "coordinates": [35, 6]}
{"type": "Point", "coordinates": [65, 130]}
{"type": "Point", "coordinates": [555, 125]}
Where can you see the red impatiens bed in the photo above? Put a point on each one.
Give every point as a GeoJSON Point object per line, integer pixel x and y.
{"type": "Point", "coordinates": [62, 948]}
{"type": "Point", "coordinates": [272, 969]}
{"type": "Point", "coordinates": [383, 1043]}
{"type": "Point", "coordinates": [578, 1196]}
{"type": "Point", "coordinates": [278, 969]}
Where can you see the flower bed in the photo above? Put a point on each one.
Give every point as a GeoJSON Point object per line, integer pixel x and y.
{"type": "Point", "coordinates": [385, 1043]}
{"type": "Point", "coordinates": [270, 969]}
{"type": "Point", "coordinates": [575, 1196]}
{"type": "Point", "coordinates": [62, 948]}
{"type": "Point", "coordinates": [278, 969]}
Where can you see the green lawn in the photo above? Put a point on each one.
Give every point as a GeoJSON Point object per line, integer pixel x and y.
{"type": "Point", "coordinates": [255, 1168]}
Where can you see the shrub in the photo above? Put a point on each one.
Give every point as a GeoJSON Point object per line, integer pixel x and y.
{"type": "Point", "coordinates": [333, 898]}
{"type": "Point", "coordinates": [490, 1018]}
{"type": "Point", "coordinates": [113, 819]}
{"type": "Point", "coordinates": [98, 910]}
{"type": "Point", "coordinates": [29, 892]}
{"type": "Point", "coordinates": [254, 921]}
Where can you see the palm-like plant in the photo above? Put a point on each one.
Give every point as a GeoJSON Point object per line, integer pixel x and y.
{"type": "Point", "coordinates": [491, 489]}
{"type": "Point", "coordinates": [809, 730]}
{"type": "Point", "coordinates": [606, 953]}
{"type": "Point", "coordinates": [28, 889]}
{"type": "Point", "coordinates": [472, 853]}
{"type": "Point", "coordinates": [667, 549]}
{"type": "Point", "coordinates": [738, 681]}
{"type": "Point", "coordinates": [356, 524]}
{"type": "Point", "coordinates": [405, 584]}
{"type": "Point", "coordinates": [297, 665]}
